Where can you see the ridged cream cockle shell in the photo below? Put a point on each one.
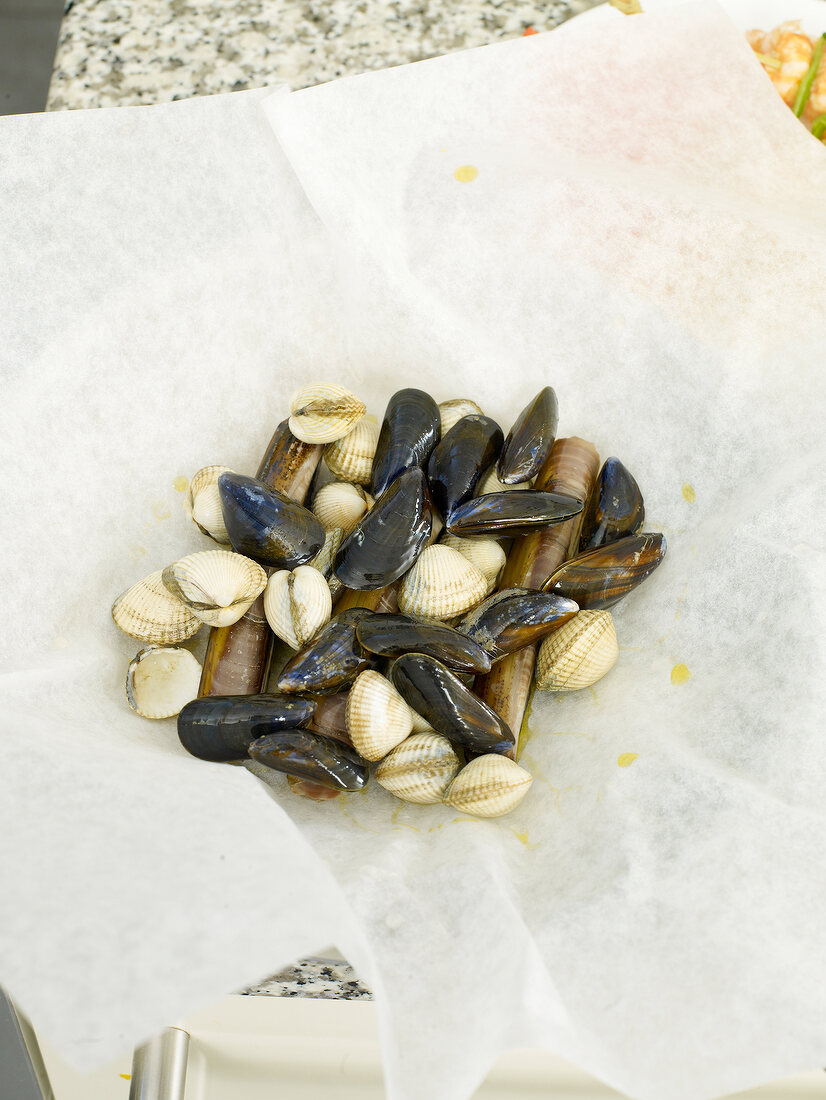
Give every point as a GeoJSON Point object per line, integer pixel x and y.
{"type": "Point", "coordinates": [440, 585]}
{"type": "Point", "coordinates": [420, 769]}
{"type": "Point", "coordinates": [297, 604]}
{"type": "Point", "coordinates": [218, 586]}
{"type": "Point", "coordinates": [420, 725]}
{"type": "Point", "coordinates": [161, 681]}
{"type": "Point", "coordinates": [486, 554]}
{"type": "Point", "coordinates": [351, 457]}
{"type": "Point", "coordinates": [149, 612]}
{"type": "Point", "coordinates": [377, 717]}
{"type": "Point", "coordinates": [489, 786]}
{"type": "Point", "coordinates": [578, 654]}
{"type": "Point", "coordinates": [490, 483]}
{"type": "Point", "coordinates": [203, 502]}
{"type": "Point", "coordinates": [324, 412]}
{"type": "Point", "coordinates": [451, 412]}
{"type": "Point", "coordinates": [340, 504]}
{"type": "Point", "coordinates": [325, 559]}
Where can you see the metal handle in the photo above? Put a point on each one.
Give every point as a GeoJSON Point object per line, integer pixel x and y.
{"type": "Point", "coordinates": [159, 1067]}
{"type": "Point", "coordinates": [24, 1072]}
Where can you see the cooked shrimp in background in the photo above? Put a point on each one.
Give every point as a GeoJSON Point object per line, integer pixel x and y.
{"type": "Point", "coordinates": [787, 54]}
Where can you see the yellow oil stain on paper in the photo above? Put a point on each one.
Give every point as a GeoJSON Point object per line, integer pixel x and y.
{"type": "Point", "coordinates": [524, 839]}
{"type": "Point", "coordinates": [138, 551]}
{"type": "Point", "coordinates": [394, 818]}
{"type": "Point", "coordinates": [680, 674]}
{"type": "Point", "coordinates": [126, 1076]}
{"type": "Point", "coordinates": [466, 173]}
{"type": "Point", "coordinates": [180, 484]}
{"type": "Point", "coordinates": [160, 510]}
{"type": "Point", "coordinates": [688, 493]}
{"type": "Point", "coordinates": [626, 759]}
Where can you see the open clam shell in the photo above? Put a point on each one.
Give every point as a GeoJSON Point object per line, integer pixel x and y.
{"type": "Point", "coordinates": [409, 432]}
{"type": "Point", "coordinates": [267, 525]}
{"type": "Point", "coordinates": [297, 604]}
{"type": "Point", "coordinates": [149, 612]}
{"type": "Point", "coordinates": [530, 439]}
{"type": "Point", "coordinates": [351, 457]}
{"type": "Point", "coordinates": [420, 769]}
{"type": "Point", "coordinates": [203, 502]}
{"type": "Point", "coordinates": [441, 585]}
{"type": "Point", "coordinates": [451, 412]}
{"type": "Point", "coordinates": [160, 681]}
{"type": "Point", "coordinates": [578, 654]}
{"type": "Point", "coordinates": [378, 718]}
{"type": "Point", "coordinates": [340, 504]}
{"type": "Point", "coordinates": [324, 412]}
{"type": "Point", "coordinates": [486, 554]}
{"type": "Point", "coordinates": [489, 786]}
{"type": "Point", "coordinates": [217, 586]}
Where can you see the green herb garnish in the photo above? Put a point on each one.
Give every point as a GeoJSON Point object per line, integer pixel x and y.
{"type": "Point", "coordinates": [819, 127]}
{"type": "Point", "coordinates": [808, 80]}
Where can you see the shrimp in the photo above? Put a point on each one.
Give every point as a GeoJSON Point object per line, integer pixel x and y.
{"type": "Point", "coordinates": [793, 49]}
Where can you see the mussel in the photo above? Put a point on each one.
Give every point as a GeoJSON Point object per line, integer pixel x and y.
{"type": "Point", "coordinates": [614, 509]}
{"type": "Point", "coordinates": [514, 618]}
{"type": "Point", "coordinates": [601, 577]}
{"type": "Point", "coordinates": [510, 514]}
{"type": "Point", "coordinates": [266, 525]}
{"type": "Point", "coordinates": [387, 541]}
{"type": "Point", "coordinates": [331, 661]}
{"type": "Point", "coordinates": [392, 635]}
{"type": "Point", "coordinates": [222, 727]}
{"type": "Point", "coordinates": [311, 757]}
{"type": "Point", "coordinates": [436, 693]}
{"type": "Point", "coordinates": [409, 433]}
{"type": "Point", "coordinates": [459, 460]}
{"type": "Point", "coordinates": [530, 439]}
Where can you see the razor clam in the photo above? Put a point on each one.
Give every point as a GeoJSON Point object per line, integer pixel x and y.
{"type": "Point", "coordinates": [614, 509]}
{"type": "Point", "coordinates": [223, 727]}
{"type": "Point", "coordinates": [376, 599]}
{"type": "Point", "coordinates": [377, 717]}
{"type": "Point", "coordinates": [203, 502]}
{"type": "Point", "coordinates": [511, 514]}
{"type": "Point", "coordinates": [530, 439]}
{"type": "Point", "coordinates": [217, 586]}
{"type": "Point", "coordinates": [392, 635]}
{"type": "Point", "coordinates": [351, 457]}
{"type": "Point", "coordinates": [437, 695]}
{"type": "Point", "coordinates": [441, 585]}
{"type": "Point", "coordinates": [289, 464]}
{"type": "Point", "coordinates": [330, 717]}
{"type": "Point", "coordinates": [420, 769]}
{"type": "Point", "coordinates": [514, 618]}
{"type": "Point", "coordinates": [459, 460]}
{"type": "Point", "coordinates": [331, 661]}
{"type": "Point", "coordinates": [579, 654]}
{"type": "Point", "coordinates": [489, 786]}
{"type": "Point", "coordinates": [451, 412]}
{"type": "Point", "coordinates": [387, 541]}
{"type": "Point", "coordinates": [600, 578]}
{"type": "Point", "coordinates": [297, 604]}
{"type": "Point", "coordinates": [266, 525]}
{"type": "Point", "coordinates": [308, 756]}
{"type": "Point", "coordinates": [323, 413]}
{"type": "Point", "coordinates": [160, 681]}
{"type": "Point", "coordinates": [409, 433]}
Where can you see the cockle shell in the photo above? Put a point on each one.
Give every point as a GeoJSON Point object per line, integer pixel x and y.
{"type": "Point", "coordinates": [420, 769]}
{"type": "Point", "coordinates": [297, 604]}
{"type": "Point", "coordinates": [451, 412]}
{"type": "Point", "coordinates": [441, 584]}
{"type": "Point", "coordinates": [324, 412]}
{"type": "Point", "coordinates": [149, 612]}
{"type": "Point", "coordinates": [218, 586]}
{"type": "Point", "coordinates": [489, 786]}
{"type": "Point", "coordinates": [486, 554]}
{"type": "Point", "coordinates": [325, 559]}
{"type": "Point", "coordinates": [490, 483]}
{"type": "Point", "coordinates": [340, 504]}
{"type": "Point", "coordinates": [351, 457]}
{"type": "Point", "coordinates": [578, 654]}
{"type": "Point", "coordinates": [378, 718]}
{"type": "Point", "coordinates": [161, 681]}
{"type": "Point", "coordinates": [203, 502]}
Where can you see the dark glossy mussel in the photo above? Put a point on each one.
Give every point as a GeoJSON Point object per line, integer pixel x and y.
{"type": "Point", "coordinates": [510, 514]}
{"type": "Point", "coordinates": [222, 727]}
{"type": "Point", "coordinates": [310, 756]}
{"type": "Point", "coordinates": [459, 460]}
{"type": "Point", "coordinates": [409, 433]}
{"type": "Point", "coordinates": [530, 439]}
{"type": "Point", "coordinates": [331, 661]}
{"type": "Point", "coordinates": [515, 618]}
{"type": "Point", "coordinates": [387, 541]}
{"type": "Point", "coordinates": [392, 635]}
{"type": "Point", "coordinates": [615, 507]}
{"type": "Point", "coordinates": [266, 525]}
{"type": "Point", "coordinates": [601, 577]}
{"type": "Point", "coordinates": [437, 694]}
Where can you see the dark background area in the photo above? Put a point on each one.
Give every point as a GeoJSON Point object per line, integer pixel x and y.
{"type": "Point", "coordinates": [29, 31]}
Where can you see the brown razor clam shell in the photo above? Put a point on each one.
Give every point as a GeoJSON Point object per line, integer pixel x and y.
{"type": "Point", "coordinates": [529, 441]}
{"type": "Point", "coordinates": [330, 717]}
{"type": "Point", "coordinates": [615, 507]}
{"type": "Point", "coordinates": [600, 578]}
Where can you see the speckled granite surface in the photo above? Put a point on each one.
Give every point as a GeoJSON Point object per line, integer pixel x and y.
{"type": "Point", "coordinates": [330, 979]}
{"type": "Point", "coordinates": [122, 52]}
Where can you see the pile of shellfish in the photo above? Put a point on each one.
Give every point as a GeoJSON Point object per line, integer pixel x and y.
{"type": "Point", "coordinates": [391, 594]}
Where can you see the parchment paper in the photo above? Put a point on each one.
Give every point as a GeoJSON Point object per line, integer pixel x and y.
{"type": "Point", "coordinates": [645, 232]}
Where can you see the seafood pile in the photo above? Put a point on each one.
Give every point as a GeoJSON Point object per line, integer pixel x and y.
{"type": "Point", "coordinates": [796, 66]}
{"type": "Point", "coordinates": [391, 595]}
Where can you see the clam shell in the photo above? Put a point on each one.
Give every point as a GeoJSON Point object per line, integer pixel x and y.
{"type": "Point", "coordinates": [420, 725]}
{"type": "Point", "coordinates": [486, 554]}
{"type": "Point", "coordinates": [161, 681]}
{"type": "Point", "coordinates": [489, 786]}
{"type": "Point", "coordinates": [490, 483]}
{"type": "Point", "coordinates": [378, 718]}
{"type": "Point", "coordinates": [217, 586]}
{"type": "Point", "coordinates": [149, 612]}
{"type": "Point", "coordinates": [297, 604]}
{"type": "Point", "coordinates": [340, 504]}
{"type": "Point", "coordinates": [578, 654]}
{"type": "Point", "coordinates": [203, 502]}
{"type": "Point", "coordinates": [325, 559]}
{"type": "Point", "coordinates": [351, 457]}
{"type": "Point", "coordinates": [451, 412]}
{"type": "Point", "coordinates": [420, 769]}
{"type": "Point", "coordinates": [324, 412]}
{"type": "Point", "coordinates": [441, 584]}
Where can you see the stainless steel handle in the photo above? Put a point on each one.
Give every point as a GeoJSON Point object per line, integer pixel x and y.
{"type": "Point", "coordinates": [159, 1067]}
{"type": "Point", "coordinates": [24, 1075]}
